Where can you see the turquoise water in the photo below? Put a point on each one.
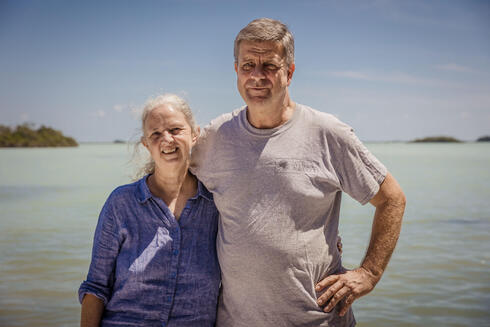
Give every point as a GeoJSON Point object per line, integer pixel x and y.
{"type": "Point", "coordinates": [438, 276]}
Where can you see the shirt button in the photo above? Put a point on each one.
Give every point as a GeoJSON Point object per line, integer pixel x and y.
{"type": "Point", "coordinates": [173, 274]}
{"type": "Point", "coordinates": [169, 298]}
{"type": "Point", "coordinates": [176, 252]}
{"type": "Point", "coordinates": [163, 324]}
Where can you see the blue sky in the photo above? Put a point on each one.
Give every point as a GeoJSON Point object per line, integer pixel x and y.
{"type": "Point", "coordinates": [394, 70]}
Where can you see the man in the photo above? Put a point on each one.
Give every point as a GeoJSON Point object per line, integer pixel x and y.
{"type": "Point", "coordinates": [277, 170]}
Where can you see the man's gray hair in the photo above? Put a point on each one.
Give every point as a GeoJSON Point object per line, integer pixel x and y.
{"type": "Point", "coordinates": [267, 29]}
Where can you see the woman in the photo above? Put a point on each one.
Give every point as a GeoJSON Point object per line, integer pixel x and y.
{"type": "Point", "coordinates": [154, 259]}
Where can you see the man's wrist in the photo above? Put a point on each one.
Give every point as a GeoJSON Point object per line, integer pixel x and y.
{"type": "Point", "coordinates": [374, 275]}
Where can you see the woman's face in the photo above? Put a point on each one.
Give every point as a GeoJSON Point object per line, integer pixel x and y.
{"type": "Point", "coordinates": [169, 138]}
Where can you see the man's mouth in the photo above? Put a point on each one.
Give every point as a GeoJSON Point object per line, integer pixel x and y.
{"type": "Point", "coordinates": [258, 90]}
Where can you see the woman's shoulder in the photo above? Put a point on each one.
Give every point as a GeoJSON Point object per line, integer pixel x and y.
{"type": "Point", "coordinates": [127, 193]}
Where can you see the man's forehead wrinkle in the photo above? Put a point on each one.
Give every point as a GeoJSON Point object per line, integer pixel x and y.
{"type": "Point", "coordinates": [262, 55]}
{"type": "Point", "coordinates": [260, 49]}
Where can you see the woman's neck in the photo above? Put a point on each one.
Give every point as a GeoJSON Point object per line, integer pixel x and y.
{"type": "Point", "coordinates": [174, 190]}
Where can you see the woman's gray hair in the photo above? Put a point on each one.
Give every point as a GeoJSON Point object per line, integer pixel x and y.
{"type": "Point", "coordinates": [173, 101]}
{"type": "Point", "coordinates": [267, 29]}
{"type": "Point", "coordinates": [170, 100]}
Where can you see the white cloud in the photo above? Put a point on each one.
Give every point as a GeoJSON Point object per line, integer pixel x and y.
{"type": "Point", "coordinates": [24, 117]}
{"type": "Point", "coordinates": [351, 74]}
{"type": "Point", "coordinates": [118, 107]}
{"type": "Point", "coordinates": [136, 112]}
{"type": "Point", "coordinates": [396, 77]}
{"type": "Point", "coordinates": [455, 68]}
{"type": "Point", "coordinates": [98, 114]}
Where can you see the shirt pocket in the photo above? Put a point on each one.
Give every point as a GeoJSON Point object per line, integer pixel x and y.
{"type": "Point", "coordinates": [308, 175]}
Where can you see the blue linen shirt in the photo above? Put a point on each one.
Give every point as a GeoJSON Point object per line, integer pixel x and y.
{"type": "Point", "coordinates": [149, 268]}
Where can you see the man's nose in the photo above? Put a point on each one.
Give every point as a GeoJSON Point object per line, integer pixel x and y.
{"type": "Point", "coordinates": [258, 72]}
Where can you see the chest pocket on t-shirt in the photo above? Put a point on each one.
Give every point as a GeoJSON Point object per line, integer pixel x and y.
{"type": "Point", "coordinates": [306, 176]}
{"type": "Point", "coordinates": [296, 166]}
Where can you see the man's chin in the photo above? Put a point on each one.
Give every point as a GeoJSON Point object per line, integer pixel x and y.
{"type": "Point", "coordinates": [257, 100]}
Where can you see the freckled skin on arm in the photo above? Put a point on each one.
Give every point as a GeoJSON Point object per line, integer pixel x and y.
{"type": "Point", "coordinates": [92, 309]}
{"type": "Point", "coordinates": [351, 285]}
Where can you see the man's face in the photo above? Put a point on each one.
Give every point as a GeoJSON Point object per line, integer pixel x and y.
{"type": "Point", "coordinates": [262, 73]}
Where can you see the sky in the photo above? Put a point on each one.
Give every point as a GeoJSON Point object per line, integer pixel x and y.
{"type": "Point", "coordinates": [393, 70]}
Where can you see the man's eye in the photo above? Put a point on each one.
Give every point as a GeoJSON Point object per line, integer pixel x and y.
{"type": "Point", "coordinates": [271, 67]}
{"type": "Point", "coordinates": [247, 66]}
{"type": "Point", "coordinates": [175, 130]}
{"type": "Point", "coordinates": [155, 134]}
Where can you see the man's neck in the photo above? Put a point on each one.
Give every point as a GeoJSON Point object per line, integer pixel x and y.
{"type": "Point", "coordinates": [270, 116]}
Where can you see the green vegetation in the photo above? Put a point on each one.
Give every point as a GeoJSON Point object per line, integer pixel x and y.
{"type": "Point", "coordinates": [26, 135]}
{"type": "Point", "coordinates": [432, 139]}
{"type": "Point", "coordinates": [484, 139]}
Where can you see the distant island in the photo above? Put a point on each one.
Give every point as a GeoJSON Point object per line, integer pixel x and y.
{"type": "Point", "coordinates": [438, 139]}
{"type": "Point", "coordinates": [26, 135]}
{"type": "Point", "coordinates": [484, 139]}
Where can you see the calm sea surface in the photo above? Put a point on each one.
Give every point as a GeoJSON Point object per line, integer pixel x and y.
{"type": "Point", "coordinates": [439, 274]}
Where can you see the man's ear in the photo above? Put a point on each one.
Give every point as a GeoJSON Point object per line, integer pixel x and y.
{"type": "Point", "coordinates": [291, 72]}
{"type": "Point", "coordinates": [236, 67]}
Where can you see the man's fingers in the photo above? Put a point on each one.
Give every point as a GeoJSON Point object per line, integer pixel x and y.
{"type": "Point", "coordinates": [322, 299]}
{"type": "Point", "coordinates": [344, 289]}
{"type": "Point", "coordinates": [326, 282]}
{"type": "Point", "coordinates": [347, 303]}
{"type": "Point", "coordinates": [339, 295]}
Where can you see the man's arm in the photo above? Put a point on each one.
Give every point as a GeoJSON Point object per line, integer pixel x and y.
{"type": "Point", "coordinates": [351, 285]}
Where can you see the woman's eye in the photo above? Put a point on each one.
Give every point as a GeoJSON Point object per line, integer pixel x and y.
{"type": "Point", "coordinates": [175, 130]}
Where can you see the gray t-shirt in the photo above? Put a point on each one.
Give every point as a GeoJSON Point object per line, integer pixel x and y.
{"type": "Point", "coordinates": [278, 192]}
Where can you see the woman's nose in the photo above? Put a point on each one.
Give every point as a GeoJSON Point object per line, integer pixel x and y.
{"type": "Point", "coordinates": [167, 137]}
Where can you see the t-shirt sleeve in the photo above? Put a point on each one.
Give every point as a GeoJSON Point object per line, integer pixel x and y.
{"type": "Point", "coordinates": [199, 152]}
{"type": "Point", "coordinates": [360, 173]}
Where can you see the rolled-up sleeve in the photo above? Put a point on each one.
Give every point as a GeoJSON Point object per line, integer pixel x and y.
{"type": "Point", "coordinates": [105, 249]}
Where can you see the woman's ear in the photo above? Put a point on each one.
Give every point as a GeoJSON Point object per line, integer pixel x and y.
{"type": "Point", "coordinates": [143, 141]}
{"type": "Point", "coordinates": [195, 135]}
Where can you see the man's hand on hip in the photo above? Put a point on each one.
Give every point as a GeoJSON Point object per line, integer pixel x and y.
{"type": "Point", "coordinates": [345, 288]}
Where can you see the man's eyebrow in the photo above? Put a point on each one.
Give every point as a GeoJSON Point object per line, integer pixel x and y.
{"type": "Point", "coordinates": [265, 57]}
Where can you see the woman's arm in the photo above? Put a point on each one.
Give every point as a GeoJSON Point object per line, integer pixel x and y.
{"type": "Point", "coordinates": [96, 290]}
{"type": "Point", "coordinates": [92, 309]}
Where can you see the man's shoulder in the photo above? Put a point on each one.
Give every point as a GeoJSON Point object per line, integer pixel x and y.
{"type": "Point", "coordinates": [324, 121]}
{"type": "Point", "coordinates": [223, 125]}
{"type": "Point", "coordinates": [221, 130]}
{"type": "Point", "coordinates": [224, 119]}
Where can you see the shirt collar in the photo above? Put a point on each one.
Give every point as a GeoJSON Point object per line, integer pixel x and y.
{"type": "Point", "coordinates": [143, 192]}
{"type": "Point", "coordinates": [203, 191]}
